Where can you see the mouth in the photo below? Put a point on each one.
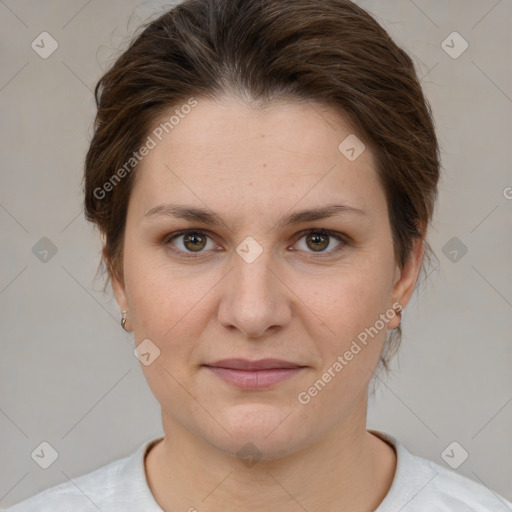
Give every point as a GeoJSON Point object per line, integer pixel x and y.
{"type": "Point", "coordinates": [254, 375]}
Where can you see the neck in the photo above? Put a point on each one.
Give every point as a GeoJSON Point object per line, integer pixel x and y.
{"type": "Point", "coordinates": [347, 469]}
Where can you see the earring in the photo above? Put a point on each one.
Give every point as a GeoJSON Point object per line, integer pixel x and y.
{"type": "Point", "coordinates": [123, 319]}
{"type": "Point", "coordinates": [399, 311]}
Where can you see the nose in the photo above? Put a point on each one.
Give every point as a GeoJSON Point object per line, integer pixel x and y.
{"type": "Point", "coordinates": [255, 299]}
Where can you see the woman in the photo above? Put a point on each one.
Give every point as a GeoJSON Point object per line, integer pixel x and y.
{"type": "Point", "coordinates": [263, 174]}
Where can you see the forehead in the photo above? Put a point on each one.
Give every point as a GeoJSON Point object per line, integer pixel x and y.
{"type": "Point", "coordinates": [227, 154]}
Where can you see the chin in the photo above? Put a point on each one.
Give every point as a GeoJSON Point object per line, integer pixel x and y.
{"type": "Point", "coordinates": [251, 449]}
{"type": "Point", "coordinates": [270, 431]}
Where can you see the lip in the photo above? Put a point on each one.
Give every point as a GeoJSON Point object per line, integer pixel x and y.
{"type": "Point", "coordinates": [254, 375]}
{"type": "Point", "coordinates": [260, 364]}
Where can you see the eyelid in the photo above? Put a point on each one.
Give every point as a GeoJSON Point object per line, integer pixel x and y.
{"type": "Point", "coordinates": [340, 237]}
{"type": "Point", "coordinates": [177, 234]}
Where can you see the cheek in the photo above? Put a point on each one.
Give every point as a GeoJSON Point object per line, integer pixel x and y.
{"type": "Point", "coordinates": [350, 304]}
{"type": "Point", "coordinates": [159, 295]}
{"type": "Point", "coordinates": [350, 344]}
{"type": "Point", "coordinates": [169, 305]}
{"type": "Point", "coordinates": [164, 297]}
{"type": "Point", "coordinates": [167, 308]}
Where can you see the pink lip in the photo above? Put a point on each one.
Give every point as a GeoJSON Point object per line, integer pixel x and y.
{"type": "Point", "coordinates": [254, 374]}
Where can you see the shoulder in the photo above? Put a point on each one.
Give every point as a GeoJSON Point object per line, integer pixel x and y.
{"type": "Point", "coordinates": [422, 485]}
{"type": "Point", "coordinates": [119, 485]}
{"type": "Point", "coordinates": [83, 494]}
{"type": "Point", "coordinates": [452, 491]}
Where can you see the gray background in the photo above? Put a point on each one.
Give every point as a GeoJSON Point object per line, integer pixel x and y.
{"type": "Point", "coordinates": [67, 372]}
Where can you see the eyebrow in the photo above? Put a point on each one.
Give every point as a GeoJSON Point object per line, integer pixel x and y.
{"type": "Point", "coordinates": [206, 216]}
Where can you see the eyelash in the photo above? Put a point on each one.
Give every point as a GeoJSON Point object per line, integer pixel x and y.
{"type": "Point", "coordinates": [338, 236]}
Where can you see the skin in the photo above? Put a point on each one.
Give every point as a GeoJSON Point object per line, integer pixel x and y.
{"type": "Point", "coordinates": [252, 166]}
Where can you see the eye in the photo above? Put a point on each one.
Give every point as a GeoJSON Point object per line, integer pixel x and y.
{"type": "Point", "coordinates": [194, 242]}
{"type": "Point", "coordinates": [318, 241]}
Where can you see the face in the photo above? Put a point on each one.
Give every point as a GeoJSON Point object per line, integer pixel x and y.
{"type": "Point", "coordinates": [250, 279]}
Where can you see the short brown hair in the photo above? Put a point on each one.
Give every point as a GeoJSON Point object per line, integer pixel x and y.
{"type": "Point", "coordinates": [328, 51]}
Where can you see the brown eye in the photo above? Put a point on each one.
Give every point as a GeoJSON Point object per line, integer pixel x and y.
{"type": "Point", "coordinates": [189, 243]}
{"type": "Point", "coordinates": [318, 241]}
{"type": "Point", "coordinates": [194, 241]}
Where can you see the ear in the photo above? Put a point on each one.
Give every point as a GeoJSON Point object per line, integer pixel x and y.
{"type": "Point", "coordinates": [119, 291]}
{"type": "Point", "coordinates": [118, 287]}
{"type": "Point", "coordinates": [405, 278]}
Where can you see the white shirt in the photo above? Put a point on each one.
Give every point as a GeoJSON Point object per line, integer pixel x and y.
{"type": "Point", "coordinates": [419, 485]}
